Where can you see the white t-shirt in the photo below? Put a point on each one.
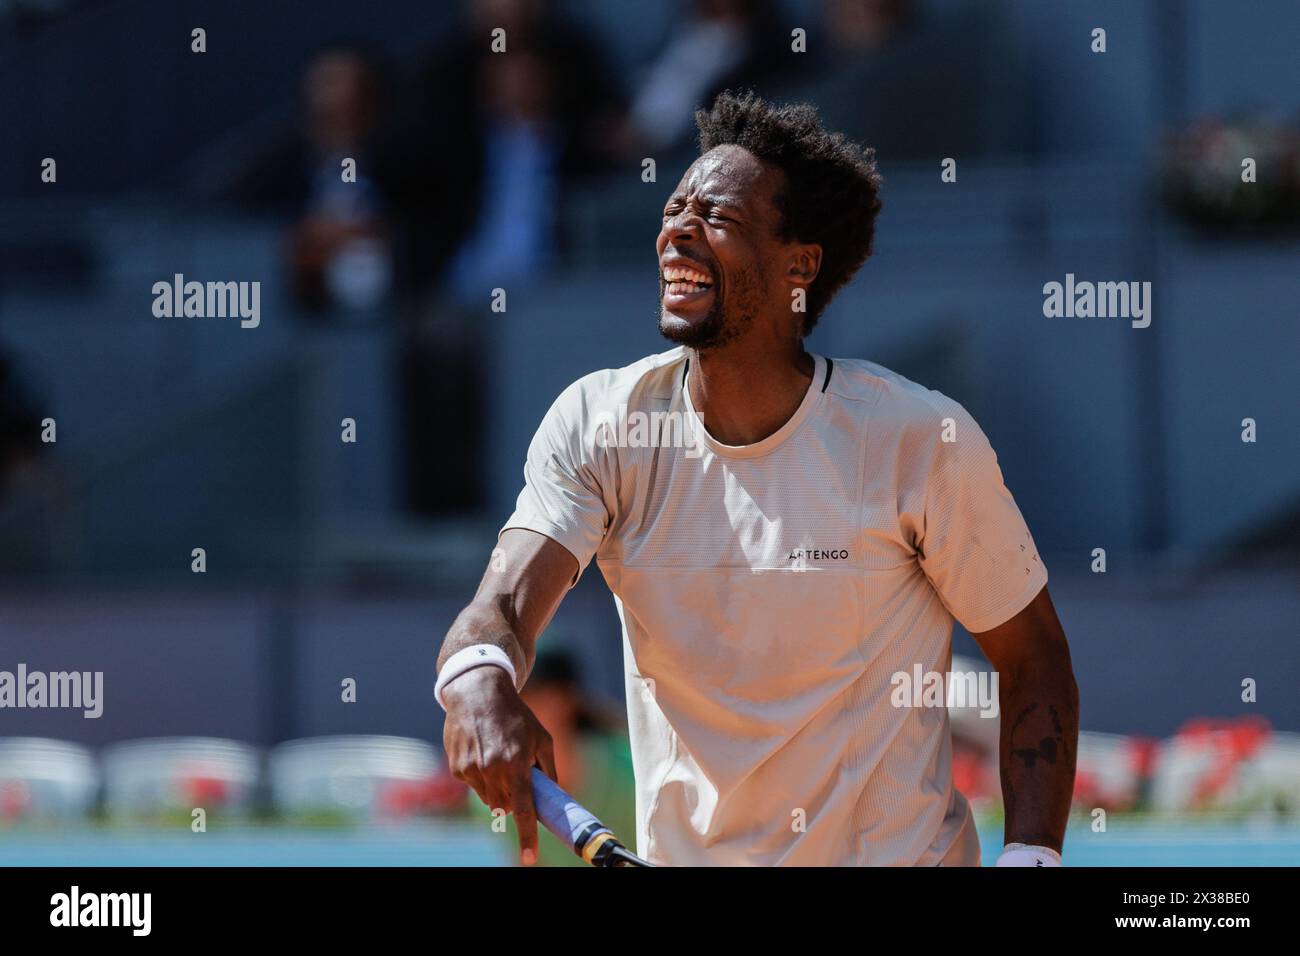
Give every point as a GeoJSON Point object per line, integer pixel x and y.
{"type": "Point", "coordinates": [769, 593]}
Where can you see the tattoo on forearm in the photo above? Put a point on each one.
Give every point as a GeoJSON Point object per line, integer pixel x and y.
{"type": "Point", "coordinates": [1048, 748]}
{"type": "Point", "coordinates": [1038, 769]}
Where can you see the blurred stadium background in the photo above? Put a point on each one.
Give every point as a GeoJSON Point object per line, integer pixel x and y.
{"type": "Point", "coordinates": [329, 561]}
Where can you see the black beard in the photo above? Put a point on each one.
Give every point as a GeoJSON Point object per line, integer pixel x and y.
{"type": "Point", "coordinates": [710, 333]}
{"type": "Point", "coordinates": [713, 332]}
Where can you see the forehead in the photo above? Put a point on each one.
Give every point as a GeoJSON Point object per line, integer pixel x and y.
{"type": "Point", "coordinates": [732, 173]}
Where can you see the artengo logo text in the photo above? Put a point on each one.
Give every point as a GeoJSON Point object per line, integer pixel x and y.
{"type": "Point", "coordinates": [811, 554]}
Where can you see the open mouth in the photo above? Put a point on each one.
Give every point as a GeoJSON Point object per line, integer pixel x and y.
{"type": "Point", "coordinates": [681, 281]}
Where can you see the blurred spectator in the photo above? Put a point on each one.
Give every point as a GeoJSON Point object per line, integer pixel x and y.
{"type": "Point", "coordinates": [1202, 174]}
{"type": "Point", "coordinates": [490, 141]}
{"type": "Point", "coordinates": [338, 250]}
{"type": "Point", "coordinates": [718, 44]}
{"type": "Point", "coordinates": [855, 28]}
{"type": "Point", "coordinates": [491, 138]}
{"type": "Point", "coordinates": [20, 425]}
{"type": "Point", "coordinates": [592, 756]}
{"type": "Point", "coordinates": [512, 235]}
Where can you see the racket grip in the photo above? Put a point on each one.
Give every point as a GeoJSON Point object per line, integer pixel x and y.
{"type": "Point", "coordinates": [563, 815]}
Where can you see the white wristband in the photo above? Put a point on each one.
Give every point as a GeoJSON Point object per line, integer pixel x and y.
{"type": "Point", "coordinates": [1020, 854]}
{"type": "Point", "coordinates": [468, 658]}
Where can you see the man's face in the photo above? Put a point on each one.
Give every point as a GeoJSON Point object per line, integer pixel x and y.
{"type": "Point", "coordinates": [719, 254]}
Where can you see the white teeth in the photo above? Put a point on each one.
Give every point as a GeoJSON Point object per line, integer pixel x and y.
{"type": "Point", "coordinates": [684, 274]}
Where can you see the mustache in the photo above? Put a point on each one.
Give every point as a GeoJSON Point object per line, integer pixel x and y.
{"type": "Point", "coordinates": [703, 265]}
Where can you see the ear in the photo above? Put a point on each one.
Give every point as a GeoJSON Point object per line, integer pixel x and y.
{"type": "Point", "coordinates": [805, 263]}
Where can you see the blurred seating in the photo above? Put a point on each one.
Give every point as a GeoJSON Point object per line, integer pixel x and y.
{"type": "Point", "coordinates": [1274, 774]}
{"type": "Point", "coordinates": [1211, 766]}
{"type": "Point", "coordinates": [1214, 765]}
{"type": "Point", "coordinates": [359, 778]}
{"type": "Point", "coordinates": [45, 780]}
{"type": "Point", "coordinates": [1110, 771]}
{"type": "Point", "coordinates": [147, 779]}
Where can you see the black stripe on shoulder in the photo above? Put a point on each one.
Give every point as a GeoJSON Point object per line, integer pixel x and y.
{"type": "Point", "coordinates": [686, 368]}
{"type": "Point", "coordinates": [830, 364]}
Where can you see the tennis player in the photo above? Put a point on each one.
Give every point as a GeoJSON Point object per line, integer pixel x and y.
{"type": "Point", "coordinates": [788, 535]}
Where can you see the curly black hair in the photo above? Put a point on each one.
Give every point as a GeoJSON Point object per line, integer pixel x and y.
{"type": "Point", "coordinates": [832, 187]}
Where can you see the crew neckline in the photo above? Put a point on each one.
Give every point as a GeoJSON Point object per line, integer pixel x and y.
{"type": "Point", "coordinates": [811, 397]}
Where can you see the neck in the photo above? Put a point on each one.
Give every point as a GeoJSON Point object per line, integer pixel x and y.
{"type": "Point", "coordinates": [744, 394]}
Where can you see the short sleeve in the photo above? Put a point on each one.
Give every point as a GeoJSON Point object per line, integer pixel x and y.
{"type": "Point", "coordinates": [562, 496]}
{"type": "Point", "coordinates": [975, 547]}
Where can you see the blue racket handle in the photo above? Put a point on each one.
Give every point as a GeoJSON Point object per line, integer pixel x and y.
{"type": "Point", "coordinates": [562, 815]}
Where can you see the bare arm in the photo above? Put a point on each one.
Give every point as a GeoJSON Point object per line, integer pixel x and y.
{"type": "Point", "coordinates": [491, 737]}
{"type": "Point", "coordinates": [521, 588]}
{"type": "Point", "coordinates": [1040, 722]}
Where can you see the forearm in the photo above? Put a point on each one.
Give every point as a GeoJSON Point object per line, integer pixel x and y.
{"type": "Point", "coordinates": [487, 623]}
{"type": "Point", "coordinates": [520, 591]}
{"type": "Point", "coordinates": [1039, 740]}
